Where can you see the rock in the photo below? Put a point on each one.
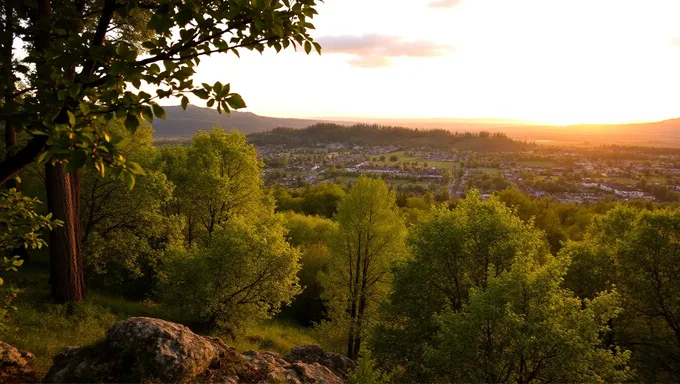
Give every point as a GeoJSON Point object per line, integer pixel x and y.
{"type": "Point", "coordinates": [141, 348]}
{"type": "Point", "coordinates": [272, 368]}
{"type": "Point", "coordinates": [136, 348]}
{"type": "Point", "coordinates": [339, 364]}
{"type": "Point", "coordinates": [14, 365]}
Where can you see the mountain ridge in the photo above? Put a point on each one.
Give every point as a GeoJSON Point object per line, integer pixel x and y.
{"type": "Point", "coordinates": [181, 124]}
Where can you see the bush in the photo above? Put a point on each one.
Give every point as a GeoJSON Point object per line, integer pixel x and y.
{"type": "Point", "coordinates": [245, 273]}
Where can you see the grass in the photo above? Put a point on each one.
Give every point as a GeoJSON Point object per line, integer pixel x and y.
{"type": "Point", "coordinates": [388, 181]}
{"type": "Point", "coordinates": [274, 335]}
{"type": "Point", "coordinates": [489, 171]}
{"type": "Point", "coordinates": [402, 158]}
{"type": "Point", "coordinates": [45, 328]}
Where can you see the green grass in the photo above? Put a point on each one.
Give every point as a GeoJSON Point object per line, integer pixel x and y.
{"type": "Point", "coordinates": [402, 158]}
{"type": "Point", "coordinates": [44, 328]}
{"type": "Point", "coordinates": [490, 171]}
{"type": "Point", "coordinates": [275, 335]}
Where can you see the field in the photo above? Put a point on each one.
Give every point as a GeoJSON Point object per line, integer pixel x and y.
{"type": "Point", "coordinates": [489, 171]}
{"type": "Point", "coordinates": [402, 158]}
{"type": "Point", "coordinates": [389, 181]}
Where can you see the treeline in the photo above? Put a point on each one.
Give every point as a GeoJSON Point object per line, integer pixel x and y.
{"type": "Point", "coordinates": [506, 289]}
{"type": "Point", "coordinates": [365, 134]}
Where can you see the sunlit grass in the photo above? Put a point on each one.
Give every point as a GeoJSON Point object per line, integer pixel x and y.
{"type": "Point", "coordinates": [274, 335]}
{"type": "Point", "coordinates": [44, 328]}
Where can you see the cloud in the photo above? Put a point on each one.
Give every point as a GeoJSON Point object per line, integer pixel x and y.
{"type": "Point", "coordinates": [444, 3]}
{"type": "Point", "coordinates": [373, 50]}
{"type": "Point", "coordinates": [370, 62]}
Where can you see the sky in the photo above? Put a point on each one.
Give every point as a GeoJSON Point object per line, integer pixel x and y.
{"type": "Point", "coordinates": [546, 61]}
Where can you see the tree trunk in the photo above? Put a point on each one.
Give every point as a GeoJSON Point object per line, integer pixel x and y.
{"type": "Point", "coordinates": [66, 266]}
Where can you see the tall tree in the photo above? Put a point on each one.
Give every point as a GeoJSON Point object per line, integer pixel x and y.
{"type": "Point", "coordinates": [217, 177]}
{"type": "Point", "coordinates": [525, 328]}
{"type": "Point", "coordinates": [85, 63]}
{"type": "Point", "coordinates": [371, 236]}
{"type": "Point", "coordinates": [454, 252]}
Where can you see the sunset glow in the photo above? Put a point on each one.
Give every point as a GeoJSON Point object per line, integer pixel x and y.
{"type": "Point", "coordinates": [549, 61]}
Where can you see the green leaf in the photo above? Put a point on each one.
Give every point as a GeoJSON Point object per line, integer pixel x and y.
{"type": "Point", "coordinates": [122, 144]}
{"type": "Point", "coordinates": [129, 179]}
{"type": "Point", "coordinates": [76, 161]}
{"type": "Point", "coordinates": [158, 111]}
{"type": "Point", "coordinates": [74, 91]}
{"type": "Point", "coordinates": [84, 108]}
{"type": "Point", "coordinates": [147, 113]}
{"type": "Point", "coordinates": [202, 93]}
{"type": "Point", "coordinates": [185, 102]}
{"type": "Point", "coordinates": [236, 101]}
{"type": "Point", "coordinates": [135, 168]}
{"type": "Point", "coordinates": [132, 123]}
{"type": "Point", "coordinates": [43, 156]}
{"type": "Point", "coordinates": [308, 47]}
{"type": "Point", "coordinates": [71, 118]}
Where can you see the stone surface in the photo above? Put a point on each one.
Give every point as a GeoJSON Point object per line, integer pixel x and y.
{"type": "Point", "coordinates": [141, 348]}
{"type": "Point", "coordinates": [15, 365]}
{"type": "Point", "coordinates": [339, 364]}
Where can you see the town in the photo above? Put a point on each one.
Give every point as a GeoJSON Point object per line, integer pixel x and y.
{"type": "Point", "coordinates": [567, 174]}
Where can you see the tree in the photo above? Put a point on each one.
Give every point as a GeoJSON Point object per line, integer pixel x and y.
{"type": "Point", "coordinates": [454, 252]}
{"type": "Point", "coordinates": [124, 232]}
{"type": "Point", "coordinates": [369, 239]}
{"type": "Point", "coordinates": [245, 274]}
{"type": "Point", "coordinates": [635, 250]}
{"type": "Point", "coordinates": [85, 63]}
{"type": "Point", "coordinates": [217, 177]}
{"type": "Point", "coordinates": [525, 328]}
{"type": "Point", "coordinates": [311, 234]}
{"type": "Point", "coordinates": [20, 228]}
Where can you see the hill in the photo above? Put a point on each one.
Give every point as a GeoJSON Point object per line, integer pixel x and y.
{"type": "Point", "coordinates": [183, 124]}
{"type": "Point", "coordinates": [378, 135]}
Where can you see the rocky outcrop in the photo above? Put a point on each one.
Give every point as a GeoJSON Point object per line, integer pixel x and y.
{"type": "Point", "coordinates": [15, 365]}
{"type": "Point", "coordinates": [142, 348]}
{"type": "Point", "coordinates": [310, 354]}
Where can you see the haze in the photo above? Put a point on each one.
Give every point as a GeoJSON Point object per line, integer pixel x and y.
{"type": "Point", "coordinates": [546, 61]}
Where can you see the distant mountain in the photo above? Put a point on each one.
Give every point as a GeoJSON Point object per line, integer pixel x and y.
{"type": "Point", "coordinates": [180, 123]}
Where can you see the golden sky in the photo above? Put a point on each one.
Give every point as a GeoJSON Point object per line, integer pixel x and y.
{"type": "Point", "coordinates": [549, 61]}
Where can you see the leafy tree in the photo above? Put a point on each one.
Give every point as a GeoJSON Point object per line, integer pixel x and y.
{"type": "Point", "coordinates": [20, 227]}
{"type": "Point", "coordinates": [217, 177]}
{"type": "Point", "coordinates": [636, 251]}
{"type": "Point", "coordinates": [225, 177]}
{"type": "Point", "coordinates": [322, 199]}
{"type": "Point", "coordinates": [366, 371]}
{"type": "Point", "coordinates": [453, 253]}
{"type": "Point", "coordinates": [245, 274]}
{"type": "Point", "coordinates": [311, 235]}
{"type": "Point", "coordinates": [369, 239]}
{"type": "Point", "coordinates": [86, 61]}
{"type": "Point", "coordinates": [124, 232]}
{"type": "Point", "coordinates": [525, 328]}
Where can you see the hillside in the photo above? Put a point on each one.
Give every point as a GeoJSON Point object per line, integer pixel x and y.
{"type": "Point", "coordinates": [365, 134]}
{"type": "Point", "coordinates": [181, 124]}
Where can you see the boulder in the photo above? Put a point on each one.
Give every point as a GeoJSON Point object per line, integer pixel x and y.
{"type": "Point", "coordinates": [339, 364]}
{"type": "Point", "coordinates": [147, 349]}
{"type": "Point", "coordinates": [14, 365]}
